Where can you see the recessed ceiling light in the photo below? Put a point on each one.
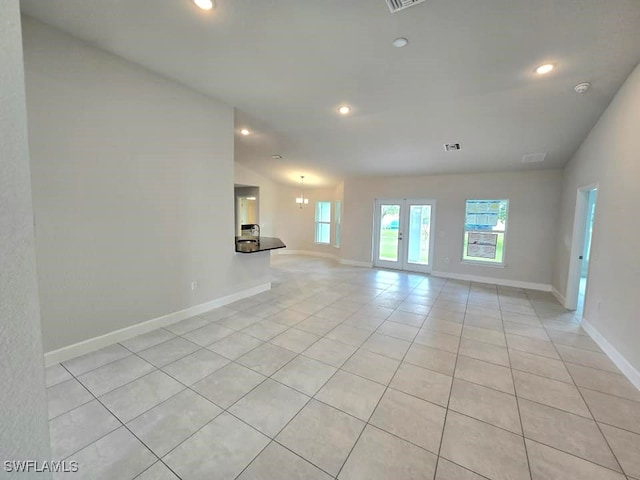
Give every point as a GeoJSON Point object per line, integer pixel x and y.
{"type": "Point", "coordinates": [244, 131]}
{"type": "Point", "coordinates": [204, 4]}
{"type": "Point", "coordinates": [400, 42]}
{"type": "Point", "coordinates": [276, 157]}
{"type": "Point", "coordinates": [345, 109]}
{"type": "Point", "coordinates": [546, 68]}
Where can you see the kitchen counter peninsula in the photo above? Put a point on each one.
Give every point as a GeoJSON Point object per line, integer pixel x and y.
{"type": "Point", "coordinates": [255, 245]}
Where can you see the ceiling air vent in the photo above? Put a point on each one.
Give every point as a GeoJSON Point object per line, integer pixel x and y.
{"type": "Point", "coordinates": [397, 5]}
{"type": "Point", "coordinates": [534, 157]}
{"type": "Point", "coordinates": [451, 147]}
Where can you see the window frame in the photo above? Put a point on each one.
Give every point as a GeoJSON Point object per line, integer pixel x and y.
{"type": "Point", "coordinates": [465, 231]}
{"type": "Point", "coordinates": [317, 223]}
{"type": "Point", "coordinates": [337, 220]}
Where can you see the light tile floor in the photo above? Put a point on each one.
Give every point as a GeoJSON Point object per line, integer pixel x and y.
{"type": "Point", "coordinates": [351, 373]}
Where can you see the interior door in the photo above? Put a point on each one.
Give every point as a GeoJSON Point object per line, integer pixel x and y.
{"type": "Point", "coordinates": [580, 248]}
{"type": "Point", "coordinates": [403, 237]}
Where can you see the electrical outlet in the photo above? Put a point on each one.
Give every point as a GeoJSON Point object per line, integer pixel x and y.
{"type": "Point", "coordinates": [194, 286]}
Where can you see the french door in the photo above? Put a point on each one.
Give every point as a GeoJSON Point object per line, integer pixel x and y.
{"type": "Point", "coordinates": [403, 234]}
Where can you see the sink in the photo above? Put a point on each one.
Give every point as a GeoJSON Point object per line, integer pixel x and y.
{"type": "Point", "coordinates": [247, 240]}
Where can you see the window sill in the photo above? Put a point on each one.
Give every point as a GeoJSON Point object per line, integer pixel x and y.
{"type": "Point", "coordinates": [483, 264]}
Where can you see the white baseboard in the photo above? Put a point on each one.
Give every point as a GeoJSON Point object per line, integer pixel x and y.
{"type": "Point", "coordinates": [355, 263]}
{"type": "Point", "coordinates": [616, 357]}
{"type": "Point", "coordinates": [496, 281]}
{"type": "Point", "coordinates": [308, 253]}
{"type": "Point", "coordinates": [92, 344]}
{"type": "Point", "coordinates": [561, 298]}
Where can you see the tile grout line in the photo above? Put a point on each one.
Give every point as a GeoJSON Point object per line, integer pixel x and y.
{"type": "Point", "coordinates": [515, 391]}
{"type": "Point", "coordinates": [128, 429]}
{"type": "Point", "coordinates": [594, 420]}
{"type": "Point", "coordinates": [342, 322]}
{"type": "Point", "coordinates": [446, 413]}
{"type": "Point", "coordinates": [131, 352]}
{"type": "Point", "coordinates": [226, 410]}
{"type": "Point", "coordinates": [552, 447]}
{"type": "Point", "coordinates": [274, 440]}
{"type": "Point", "coordinates": [187, 387]}
{"type": "Point", "coordinates": [367, 423]}
{"type": "Point", "coordinates": [223, 410]}
{"type": "Point", "coordinates": [325, 383]}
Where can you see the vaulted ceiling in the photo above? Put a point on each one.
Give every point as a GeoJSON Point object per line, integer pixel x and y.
{"type": "Point", "coordinates": [466, 76]}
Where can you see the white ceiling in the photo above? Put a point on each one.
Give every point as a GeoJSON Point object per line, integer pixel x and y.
{"type": "Point", "coordinates": [466, 76]}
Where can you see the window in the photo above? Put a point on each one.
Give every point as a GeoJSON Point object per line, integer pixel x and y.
{"type": "Point", "coordinates": [484, 231]}
{"type": "Point", "coordinates": [338, 222]}
{"type": "Point", "coordinates": [323, 222]}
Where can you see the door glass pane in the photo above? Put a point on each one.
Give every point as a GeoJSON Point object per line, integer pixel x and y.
{"type": "Point", "coordinates": [419, 233]}
{"type": "Point", "coordinates": [389, 227]}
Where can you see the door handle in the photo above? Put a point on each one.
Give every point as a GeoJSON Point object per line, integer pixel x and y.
{"type": "Point", "coordinates": [399, 236]}
{"type": "Point", "coordinates": [580, 257]}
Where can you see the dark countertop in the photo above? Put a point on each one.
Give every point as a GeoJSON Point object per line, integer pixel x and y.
{"type": "Point", "coordinates": [263, 245]}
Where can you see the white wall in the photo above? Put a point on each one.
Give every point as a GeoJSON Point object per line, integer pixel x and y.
{"type": "Point", "coordinates": [133, 191]}
{"type": "Point", "coordinates": [24, 429]}
{"type": "Point", "coordinates": [533, 203]}
{"type": "Point", "coordinates": [609, 156]}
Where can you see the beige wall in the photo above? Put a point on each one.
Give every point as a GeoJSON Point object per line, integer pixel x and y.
{"type": "Point", "coordinates": [533, 204]}
{"type": "Point", "coordinates": [24, 427]}
{"type": "Point", "coordinates": [281, 217]}
{"type": "Point", "coordinates": [296, 226]}
{"type": "Point", "coordinates": [610, 157]}
{"type": "Point", "coordinates": [133, 191]}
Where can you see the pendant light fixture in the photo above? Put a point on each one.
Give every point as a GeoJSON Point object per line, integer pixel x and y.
{"type": "Point", "coordinates": [301, 200]}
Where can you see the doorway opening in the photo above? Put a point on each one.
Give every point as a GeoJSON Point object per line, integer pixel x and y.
{"type": "Point", "coordinates": [581, 249]}
{"type": "Point", "coordinates": [403, 237]}
{"type": "Point", "coordinates": [247, 206]}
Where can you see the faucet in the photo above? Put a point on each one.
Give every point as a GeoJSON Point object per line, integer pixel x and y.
{"type": "Point", "coordinates": [255, 228]}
